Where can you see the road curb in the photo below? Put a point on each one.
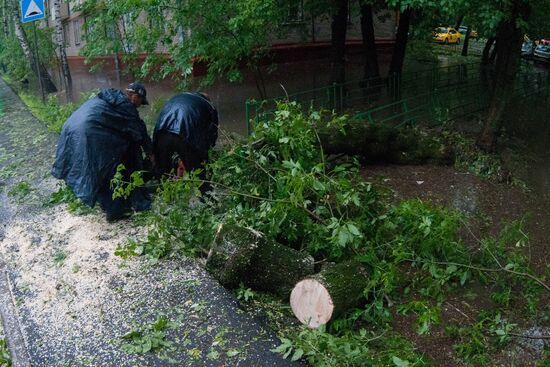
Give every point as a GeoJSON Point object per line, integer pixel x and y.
{"type": "Point", "coordinates": [8, 315]}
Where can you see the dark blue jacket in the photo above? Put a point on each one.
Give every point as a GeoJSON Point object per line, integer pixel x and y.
{"type": "Point", "coordinates": [93, 141]}
{"type": "Point", "coordinates": [191, 116]}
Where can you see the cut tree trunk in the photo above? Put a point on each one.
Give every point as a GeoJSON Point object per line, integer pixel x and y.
{"type": "Point", "coordinates": [383, 143]}
{"type": "Point", "coordinates": [243, 255]}
{"type": "Point", "coordinates": [324, 296]}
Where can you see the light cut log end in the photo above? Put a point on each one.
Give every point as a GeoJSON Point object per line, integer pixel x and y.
{"type": "Point", "coordinates": [311, 303]}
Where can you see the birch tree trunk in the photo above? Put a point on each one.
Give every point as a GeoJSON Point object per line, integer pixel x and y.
{"type": "Point", "coordinates": [21, 36]}
{"type": "Point", "coordinates": [41, 71]}
{"type": "Point", "coordinates": [58, 37]}
{"type": "Point", "coordinates": [5, 18]}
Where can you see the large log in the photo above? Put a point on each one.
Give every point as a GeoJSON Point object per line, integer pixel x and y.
{"type": "Point", "coordinates": [317, 299]}
{"type": "Point", "coordinates": [231, 252]}
{"type": "Point", "coordinates": [379, 142]}
{"type": "Point", "coordinates": [244, 255]}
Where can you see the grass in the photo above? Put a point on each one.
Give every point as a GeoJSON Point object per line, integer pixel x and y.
{"type": "Point", "coordinates": [52, 113]}
{"type": "Point", "coordinates": [5, 359]}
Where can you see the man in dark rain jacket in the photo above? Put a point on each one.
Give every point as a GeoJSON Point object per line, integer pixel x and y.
{"type": "Point", "coordinates": [102, 133]}
{"type": "Point", "coordinates": [186, 129]}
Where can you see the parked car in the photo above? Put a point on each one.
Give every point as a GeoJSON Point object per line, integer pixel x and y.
{"type": "Point", "coordinates": [463, 29]}
{"type": "Point", "coordinates": [446, 35]}
{"type": "Point", "coordinates": [527, 49]}
{"type": "Point", "coordinates": [542, 53]}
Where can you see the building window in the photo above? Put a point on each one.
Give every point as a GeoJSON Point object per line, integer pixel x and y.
{"type": "Point", "coordinates": [66, 34]}
{"type": "Point", "coordinates": [88, 28]}
{"type": "Point", "coordinates": [77, 25]}
{"type": "Point", "coordinates": [295, 12]}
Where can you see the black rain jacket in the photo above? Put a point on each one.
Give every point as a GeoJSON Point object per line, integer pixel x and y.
{"type": "Point", "coordinates": [95, 139]}
{"type": "Point", "coordinates": [191, 116]}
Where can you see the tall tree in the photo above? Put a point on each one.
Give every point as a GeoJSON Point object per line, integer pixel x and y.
{"type": "Point", "coordinates": [5, 17]}
{"type": "Point", "coordinates": [466, 41]}
{"type": "Point", "coordinates": [225, 35]}
{"type": "Point", "coordinates": [509, 37]}
{"type": "Point", "coordinates": [38, 68]}
{"type": "Point", "coordinates": [339, 26]}
{"type": "Point", "coordinates": [60, 42]}
{"type": "Point", "coordinates": [401, 38]}
{"type": "Point", "coordinates": [486, 54]}
{"type": "Point", "coordinates": [371, 68]}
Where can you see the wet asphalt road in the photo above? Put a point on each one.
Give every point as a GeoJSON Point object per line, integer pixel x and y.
{"type": "Point", "coordinates": [207, 327]}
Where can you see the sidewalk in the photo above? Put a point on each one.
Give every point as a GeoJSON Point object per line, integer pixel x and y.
{"type": "Point", "coordinates": [66, 300]}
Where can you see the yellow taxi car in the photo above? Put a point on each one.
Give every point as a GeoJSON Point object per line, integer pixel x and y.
{"type": "Point", "coordinates": [446, 35]}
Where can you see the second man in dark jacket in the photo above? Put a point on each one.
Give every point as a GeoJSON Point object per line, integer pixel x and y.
{"type": "Point", "coordinates": [185, 131]}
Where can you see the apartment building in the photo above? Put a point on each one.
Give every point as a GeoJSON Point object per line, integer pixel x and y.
{"type": "Point", "coordinates": [294, 47]}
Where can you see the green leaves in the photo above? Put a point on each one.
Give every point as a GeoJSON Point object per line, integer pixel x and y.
{"type": "Point", "coordinates": [224, 34]}
{"type": "Point", "coordinates": [122, 186]}
{"type": "Point", "coordinates": [398, 362]}
{"type": "Point", "coordinates": [427, 315]}
{"type": "Point", "coordinates": [297, 197]}
{"type": "Point", "coordinates": [351, 349]}
{"type": "Point", "coordinates": [5, 358]}
{"type": "Point", "coordinates": [344, 234]}
{"type": "Point", "coordinates": [150, 338]}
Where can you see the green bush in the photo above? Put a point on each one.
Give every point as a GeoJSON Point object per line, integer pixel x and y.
{"type": "Point", "coordinates": [278, 181]}
{"type": "Point", "coordinates": [11, 55]}
{"type": "Point", "coordinates": [351, 349]}
{"type": "Point", "coordinates": [52, 113]}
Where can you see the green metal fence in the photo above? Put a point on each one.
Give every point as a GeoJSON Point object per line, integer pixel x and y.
{"type": "Point", "coordinates": [446, 93]}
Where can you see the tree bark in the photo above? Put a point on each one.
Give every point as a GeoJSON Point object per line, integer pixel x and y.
{"type": "Point", "coordinates": [508, 48]}
{"type": "Point", "coordinates": [58, 36]}
{"type": "Point", "coordinates": [339, 28]}
{"type": "Point", "coordinates": [5, 18]}
{"type": "Point", "coordinates": [242, 255]}
{"type": "Point", "coordinates": [22, 38]}
{"type": "Point", "coordinates": [318, 299]}
{"type": "Point", "coordinates": [466, 42]}
{"type": "Point", "coordinates": [459, 21]}
{"type": "Point", "coordinates": [485, 59]}
{"type": "Point", "coordinates": [401, 38]}
{"type": "Point", "coordinates": [371, 69]}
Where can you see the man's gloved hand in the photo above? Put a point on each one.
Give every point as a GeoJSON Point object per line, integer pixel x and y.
{"type": "Point", "coordinates": [181, 168]}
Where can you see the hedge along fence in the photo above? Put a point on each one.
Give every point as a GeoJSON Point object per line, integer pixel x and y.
{"type": "Point", "coordinates": [438, 95]}
{"type": "Point", "coordinates": [367, 93]}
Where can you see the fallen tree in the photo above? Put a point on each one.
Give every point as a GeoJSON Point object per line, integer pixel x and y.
{"type": "Point", "coordinates": [317, 299]}
{"type": "Point", "coordinates": [240, 254]}
{"type": "Point", "coordinates": [379, 142]}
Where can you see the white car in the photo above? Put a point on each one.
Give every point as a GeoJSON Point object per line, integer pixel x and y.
{"type": "Point", "coordinates": [542, 53]}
